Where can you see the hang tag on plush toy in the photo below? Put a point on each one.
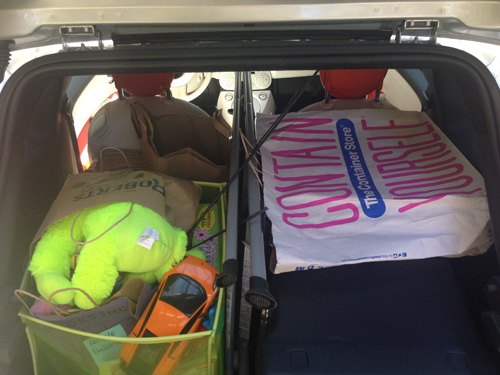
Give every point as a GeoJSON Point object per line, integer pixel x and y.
{"type": "Point", "coordinates": [148, 238]}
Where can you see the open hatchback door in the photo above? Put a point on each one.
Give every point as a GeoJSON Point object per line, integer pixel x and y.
{"type": "Point", "coordinates": [251, 68]}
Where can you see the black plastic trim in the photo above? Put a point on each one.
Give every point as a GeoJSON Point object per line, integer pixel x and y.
{"type": "Point", "coordinates": [218, 36]}
{"type": "Point", "coordinates": [258, 294]}
{"type": "Point", "coordinates": [229, 274]}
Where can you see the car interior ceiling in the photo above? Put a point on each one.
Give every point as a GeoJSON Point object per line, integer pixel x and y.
{"type": "Point", "coordinates": [42, 155]}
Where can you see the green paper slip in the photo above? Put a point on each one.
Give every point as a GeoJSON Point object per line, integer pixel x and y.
{"type": "Point", "coordinates": [104, 350]}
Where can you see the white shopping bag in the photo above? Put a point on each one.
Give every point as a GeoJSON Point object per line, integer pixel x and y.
{"type": "Point", "coordinates": [368, 185]}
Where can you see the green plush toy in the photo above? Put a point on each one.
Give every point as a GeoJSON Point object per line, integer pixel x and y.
{"type": "Point", "coordinates": [114, 238]}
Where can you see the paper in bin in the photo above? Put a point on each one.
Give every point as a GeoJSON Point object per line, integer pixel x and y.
{"type": "Point", "coordinates": [368, 185]}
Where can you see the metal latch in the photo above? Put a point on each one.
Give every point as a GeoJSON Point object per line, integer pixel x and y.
{"type": "Point", "coordinates": [417, 31]}
{"type": "Point", "coordinates": [80, 37]}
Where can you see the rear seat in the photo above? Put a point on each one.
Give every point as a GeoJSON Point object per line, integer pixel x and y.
{"type": "Point", "coordinates": [112, 124]}
{"type": "Point", "coordinates": [405, 317]}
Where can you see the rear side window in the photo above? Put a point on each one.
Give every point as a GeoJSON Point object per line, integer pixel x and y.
{"type": "Point", "coordinates": [183, 293]}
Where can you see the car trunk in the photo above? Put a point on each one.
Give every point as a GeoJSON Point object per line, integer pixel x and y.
{"type": "Point", "coordinates": [409, 317]}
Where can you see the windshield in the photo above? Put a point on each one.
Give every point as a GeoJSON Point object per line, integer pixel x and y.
{"type": "Point", "coordinates": [183, 293]}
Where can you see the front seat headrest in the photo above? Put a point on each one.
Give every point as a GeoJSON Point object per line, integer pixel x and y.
{"type": "Point", "coordinates": [352, 83]}
{"type": "Point", "coordinates": [144, 84]}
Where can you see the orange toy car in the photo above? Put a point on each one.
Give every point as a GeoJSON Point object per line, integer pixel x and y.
{"type": "Point", "coordinates": [179, 306]}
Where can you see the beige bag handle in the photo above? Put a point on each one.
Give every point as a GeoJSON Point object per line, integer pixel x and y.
{"type": "Point", "coordinates": [76, 289]}
{"type": "Point", "coordinates": [19, 292]}
{"type": "Point", "coordinates": [103, 233]}
{"type": "Point", "coordinates": [57, 310]}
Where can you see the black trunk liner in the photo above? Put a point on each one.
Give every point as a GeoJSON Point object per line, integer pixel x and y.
{"type": "Point", "coordinates": [405, 317]}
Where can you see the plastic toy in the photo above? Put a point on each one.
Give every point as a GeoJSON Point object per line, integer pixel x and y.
{"type": "Point", "coordinates": [117, 237]}
{"type": "Point", "coordinates": [181, 303]}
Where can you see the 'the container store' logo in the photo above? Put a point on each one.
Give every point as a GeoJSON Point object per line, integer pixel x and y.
{"type": "Point", "coordinates": [369, 197]}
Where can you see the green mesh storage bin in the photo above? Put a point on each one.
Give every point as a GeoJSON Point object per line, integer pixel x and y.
{"type": "Point", "coordinates": [61, 350]}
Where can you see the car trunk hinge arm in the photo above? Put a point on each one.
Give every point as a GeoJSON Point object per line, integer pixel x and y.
{"type": "Point", "coordinates": [417, 31]}
{"type": "Point", "coordinates": [84, 37]}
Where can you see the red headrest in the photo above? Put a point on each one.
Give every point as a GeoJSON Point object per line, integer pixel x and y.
{"type": "Point", "coordinates": [352, 84]}
{"type": "Point", "coordinates": [144, 84]}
